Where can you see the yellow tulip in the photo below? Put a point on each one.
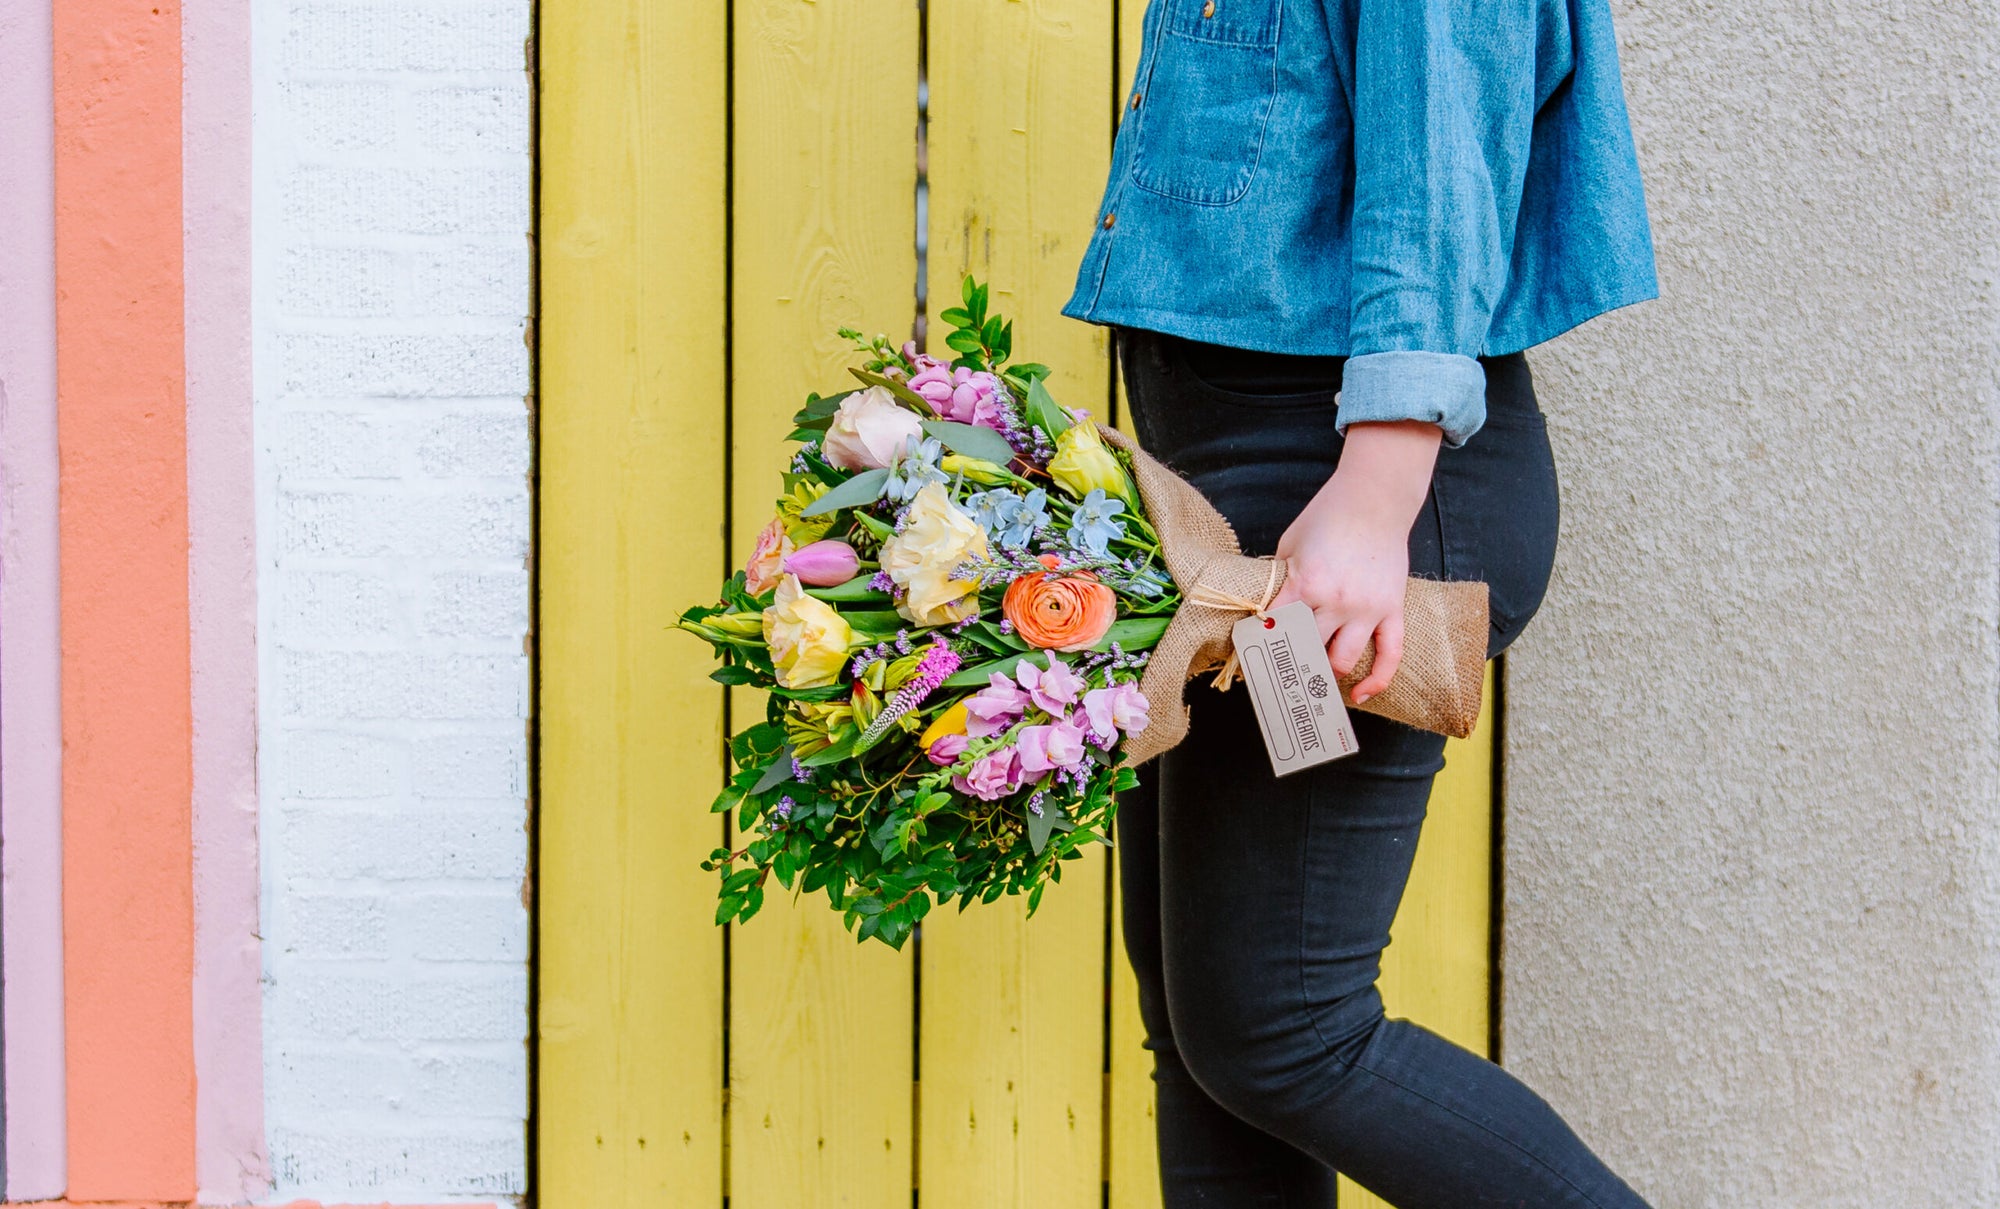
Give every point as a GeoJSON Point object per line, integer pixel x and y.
{"type": "Point", "coordinates": [1083, 462]}
{"type": "Point", "coordinates": [977, 470]}
{"type": "Point", "coordinates": [950, 722]}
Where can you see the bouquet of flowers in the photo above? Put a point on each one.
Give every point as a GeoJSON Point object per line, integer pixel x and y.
{"type": "Point", "coordinates": [950, 611]}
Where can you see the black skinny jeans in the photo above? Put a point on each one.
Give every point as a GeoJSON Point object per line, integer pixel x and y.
{"type": "Point", "coordinates": [1256, 909]}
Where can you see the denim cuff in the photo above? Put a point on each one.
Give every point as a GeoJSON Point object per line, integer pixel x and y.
{"type": "Point", "coordinates": [1444, 389]}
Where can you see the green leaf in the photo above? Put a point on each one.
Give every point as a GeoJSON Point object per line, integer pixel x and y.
{"type": "Point", "coordinates": [956, 316]}
{"type": "Point", "coordinates": [968, 289]}
{"type": "Point", "coordinates": [779, 771]}
{"type": "Point", "coordinates": [1134, 633]}
{"type": "Point", "coordinates": [1040, 825]}
{"type": "Point", "coordinates": [882, 529]}
{"type": "Point", "coordinates": [963, 340]}
{"type": "Point", "coordinates": [971, 440]}
{"type": "Point", "coordinates": [821, 407]}
{"type": "Point", "coordinates": [1043, 412]}
{"type": "Point", "coordinates": [1027, 371]}
{"type": "Point", "coordinates": [855, 589]}
{"type": "Point", "coordinates": [977, 674]}
{"type": "Point", "coordinates": [990, 333]}
{"type": "Point", "coordinates": [875, 621]}
{"type": "Point", "coordinates": [912, 399]}
{"type": "Point", "coordinates": [864, 488]}
{"type": "Point", "coordinates": [831, 755]}
{"type": "Point", "coordinates": [734, 674]}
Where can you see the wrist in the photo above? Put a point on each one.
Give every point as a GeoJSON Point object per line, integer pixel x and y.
{"type": "Point", "coordinates": [1384, 474]}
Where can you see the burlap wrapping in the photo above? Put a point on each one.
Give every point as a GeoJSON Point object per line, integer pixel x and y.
{"type": "Point", "coordinates": [1436, 688]}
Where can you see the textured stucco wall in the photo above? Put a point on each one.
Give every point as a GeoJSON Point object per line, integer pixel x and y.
{"type": "Point", "coordinates": [1752, 929]}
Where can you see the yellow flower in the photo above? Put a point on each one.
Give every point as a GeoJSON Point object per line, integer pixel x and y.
{"type": "Point", "coordinates": [937, 535]}
{"type": "Point", "coordinates": [950, 722]}
{"type": "Point", "coordinates": [1084, 462]}
{"type": "Point", "coordinates": [804, 530]}
{"type": "Point", "coordinates": [977, 470]}
{"type": "Point", "coordinates": [807, 637]}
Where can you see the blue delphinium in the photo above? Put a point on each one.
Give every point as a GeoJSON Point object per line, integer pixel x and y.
{"type": "Point", "coordinates": [916, 467]}
{"type": "Point", "coordinates": [1094, 524]}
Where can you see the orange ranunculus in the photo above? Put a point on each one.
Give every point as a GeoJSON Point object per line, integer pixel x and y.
{"type": "Point", "coordinates": [1066, 613]}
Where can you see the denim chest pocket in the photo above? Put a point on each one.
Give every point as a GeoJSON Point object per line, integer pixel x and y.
{"type": "Point", "coordinates": [1208, 99]}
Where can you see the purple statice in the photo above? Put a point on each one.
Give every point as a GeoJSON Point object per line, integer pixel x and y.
{"type": "Point", "coordinates": [784, 807]}
{"type": "Point", "coordinates": [800, 772]}
{"type": "Point", "coordinates": [881, 582]}
{"type": "Point", "coordinates": [1006, 626]}
{"type": "Point", "coordinates": [902, 642]}
{"type": "Point", "coordinates": [1035, 803]}
{"type": "Point", "coordinates": [938, 662]}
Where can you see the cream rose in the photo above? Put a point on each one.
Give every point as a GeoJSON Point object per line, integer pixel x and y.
{"type": "Point", "coordinates": [808, 639]}
{"type": "Point", "coordinates": [869, 430]}
{"type": "Point", "coordinates": [936, 537]}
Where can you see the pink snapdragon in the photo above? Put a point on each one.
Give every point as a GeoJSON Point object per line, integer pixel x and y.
{"type": "Point", "coordinates": [1052, 689]}
{"type": "Point", "coordinates": [1057, 745]}
{"type": "Point", "coordinates": [994, 708]}
{"type": "Point", "coordinates": [1121, 707]}
{"type": "Point", "coordinates": [947, 749]}
{"type": "Point", "coordinates": [993, 776]}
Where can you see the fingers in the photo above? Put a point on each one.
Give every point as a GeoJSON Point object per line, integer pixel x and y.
{"type": "Point", "coordinates": [1388, 654]}
{"type": "Point", "coordinates": [1348, 644]}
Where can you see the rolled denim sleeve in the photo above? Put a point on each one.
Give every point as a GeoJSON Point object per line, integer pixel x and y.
{"type": "Point", "coordinates": [1444, 100]}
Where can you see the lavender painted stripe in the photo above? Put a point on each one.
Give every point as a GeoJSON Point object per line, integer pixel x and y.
{"type": "Point", "coordinates": [231, 1165]}
{"type": "Point", "coordinates": [31, 1004]}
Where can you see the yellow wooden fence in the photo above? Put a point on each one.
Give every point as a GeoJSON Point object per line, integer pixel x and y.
{"type": "Point", "coordinates": [722, 186]}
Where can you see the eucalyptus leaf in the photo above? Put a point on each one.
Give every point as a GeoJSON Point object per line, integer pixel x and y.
{"type": "Point", "coordinates": [825, 405]}
{"type": "Point", "coordinates": [779, 772]}
{"type": "Point", "coordinates": [1039, 826]}
{"type": "Point", "coordinates": [864, 488]}
{"type": "Point", "coordinates": [971, 440]}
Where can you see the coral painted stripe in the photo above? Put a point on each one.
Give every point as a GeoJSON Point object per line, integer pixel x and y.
{"type": "Point", "coordinates": [230, 1160]}
{"type": "Point", "coordinates": [30, 684]}
{"type": "Point", "coordinates": [128, 927]}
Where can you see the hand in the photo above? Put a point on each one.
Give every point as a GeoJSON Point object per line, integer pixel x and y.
{"type": "Point", "coordinates": [1348, 553]}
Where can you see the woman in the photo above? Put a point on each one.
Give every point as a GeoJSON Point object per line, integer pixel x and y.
{"type": "Point", "coordinates": [1330, 228]}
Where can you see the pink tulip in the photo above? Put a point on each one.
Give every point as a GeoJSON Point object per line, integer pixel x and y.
{"type": "Point", "coordinates": [824, 564]}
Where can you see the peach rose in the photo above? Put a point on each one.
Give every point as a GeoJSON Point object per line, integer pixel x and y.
{"type": "Point", "coordinates": [1066, 613]}
{"type": "Point", "coordinates": [767, 560]}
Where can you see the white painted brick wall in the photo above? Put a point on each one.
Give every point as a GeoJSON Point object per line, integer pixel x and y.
{"type": "Point", "coordinates": [393, 193]}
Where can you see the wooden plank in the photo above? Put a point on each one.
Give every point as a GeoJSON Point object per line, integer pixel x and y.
{"type": "Point", "coordinates": [633, 140]}
{"type": "Point", "coordinates": [1437, 970]}
{"type": "Point", "coordinates": [825, 236]}
{"type": "Point", "coordinates": [1013, 1037]}
{"type": "Point", "coordinates": [1131, 1133]}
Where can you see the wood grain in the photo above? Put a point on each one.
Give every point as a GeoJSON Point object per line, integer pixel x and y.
{"type": "Point", "coordinates": [633, 220]}
{"type": "Point", "coordinates": [825, 236]}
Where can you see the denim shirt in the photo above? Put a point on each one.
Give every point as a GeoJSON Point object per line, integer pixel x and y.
{"type": "Point", "coordinates": [1410, 183]}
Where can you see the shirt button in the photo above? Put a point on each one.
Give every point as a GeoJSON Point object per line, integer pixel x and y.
{"type": "Point", "coordinates": [1135, 99]}
{"type": "Point", "coordinates": [1110, 220]}
{"type": "Point", "coordinates": [1208, 9]}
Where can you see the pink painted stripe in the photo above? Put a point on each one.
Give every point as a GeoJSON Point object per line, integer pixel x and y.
{"type": "Point", "coordinates": [30, 671]}
{"type": "Point", "coordinates": [231, 1164]}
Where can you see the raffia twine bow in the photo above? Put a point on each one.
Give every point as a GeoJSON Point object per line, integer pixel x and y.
{"type": "Point", "coordinates": [1437, 687]}
{"type": "Point", "coordinates": [1204, 596]}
